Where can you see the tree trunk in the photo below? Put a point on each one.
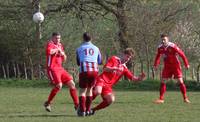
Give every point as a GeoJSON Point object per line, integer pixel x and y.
{"type": "Point", "coordinates": [123, 31]}
{"type": "Point", "coordinates": [198, 78]}
{"type": "Point", "coordinates": [118, 10]}
{"type": "Point", "coordinates": [32, 70]}
{"type": "Point", "coordinates": [14, 70]}
{"type": "Point", "coordinates": [142, 66]}
{"type": "Point", "coordinates": [193, 73]}
{"type": "Point", "coordinates": [7, 70]}
{"type": "Point", "coordinates": [122, 23]}
{"type": "Point", "coordinates": [148, 62]}
{"type": "Point", "coordinates": [147, 56]}
{"type": "Point", "coordinates": [153, 72]}
{"type": "Point", "coordinates": [25, 72]}
{"type": "Point", "coordinates": [40, 71]}
{"type": "Point", "coordinates": [4, 71]}
{"type": "Point", "coordinates": [18, 71]}
{"type": "Point", "coordinates": [38, 38]}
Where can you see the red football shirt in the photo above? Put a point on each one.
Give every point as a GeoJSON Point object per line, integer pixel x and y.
{"type": "Point", "coordinates": [53, 60]}
{"type": "Point", "coordinates": [111, 78]}
{"type": "Point", "coordinates": [170, 55]}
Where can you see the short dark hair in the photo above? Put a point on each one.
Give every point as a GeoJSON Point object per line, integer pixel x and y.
{"type": "Point", "coordinates": [164, 35]}
{"type": "Point", "coordinates": [86, 36]}
{"type": "Point", "coordinates": [55, 34]}
{"type": "Point", "coordinates": [129, 51]}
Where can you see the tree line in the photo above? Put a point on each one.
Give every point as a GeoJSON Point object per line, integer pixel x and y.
{"type": "Point", "coordinates": [114, 24]}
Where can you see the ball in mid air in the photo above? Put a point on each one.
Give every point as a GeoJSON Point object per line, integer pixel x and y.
{"type": "Point", "coordinates": [38, 17]}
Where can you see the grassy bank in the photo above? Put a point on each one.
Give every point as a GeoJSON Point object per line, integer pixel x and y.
{"type": "Point", "coordinates": [124, 84]}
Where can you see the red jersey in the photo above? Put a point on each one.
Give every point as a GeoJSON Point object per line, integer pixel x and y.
{"type": "Point", "coordinates": [170, 55]}
{"type": "Point", "coordinates": [54, 60]}
{"type": "Point", "coordinates": [111, 78]}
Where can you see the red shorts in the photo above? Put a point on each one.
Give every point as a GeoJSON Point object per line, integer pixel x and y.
{"type": "Point", "coordinates": [175, 71]}
{"type": "Point", "coordinates": [87, 79]}
{"type": "Point", "coordinates": [106, 89]}
{"type": "Point", "coordinates": [59, 75]}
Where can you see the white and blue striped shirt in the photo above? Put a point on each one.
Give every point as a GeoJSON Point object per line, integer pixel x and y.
{"type": "Point", "coordinates": [88, 57]}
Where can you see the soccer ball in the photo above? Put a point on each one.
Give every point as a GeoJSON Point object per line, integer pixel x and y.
{"type": "Point", "coordinates": [38, 17]}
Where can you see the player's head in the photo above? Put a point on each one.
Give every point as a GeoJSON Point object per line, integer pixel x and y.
{"type": "Point", "coordinates": [164, 39]}
{"type": "Point", "coordinates": [86, 37]}
{"type": "Point", "coordinates": [127, 55]}
{"type": "Point", "coordinates": [56, 37]}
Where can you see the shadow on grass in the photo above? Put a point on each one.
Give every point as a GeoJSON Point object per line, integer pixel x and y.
{"type": "Point", "coordinates": [124, 102]}
{"type": "Point", "coordinates": [35, 115]}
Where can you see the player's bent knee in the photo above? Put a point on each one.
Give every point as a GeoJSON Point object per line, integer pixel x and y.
{"type": "Point", "coordinates": [180, 80]}
{"type": "Point", "coordinates": [110, 99]}
{"type": "Point", "coordinates": [59, 86]}
{"type": "Point", "coordinates": [71, 84]}
{"type": "Point", "coordinates": [98, 92]}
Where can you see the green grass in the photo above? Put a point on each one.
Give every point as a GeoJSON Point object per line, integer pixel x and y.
{"type": "Point", "coordinates": [25, 105]}
{"type": "Point", "coordinates": [146, 85]}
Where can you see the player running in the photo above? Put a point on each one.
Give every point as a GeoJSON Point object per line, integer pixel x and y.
{"type": "Point", "coordinates": [88, 59]}
{"type": "Point", "coordinates": [58, 76]}
{"type": "Point", "coordinates": [172, 66]}
{"type": "Point", "coordinates": [113, 70]}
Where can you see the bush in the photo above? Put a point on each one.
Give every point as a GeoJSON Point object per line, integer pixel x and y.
{"type": "Point", "coordinates": [147, 85]}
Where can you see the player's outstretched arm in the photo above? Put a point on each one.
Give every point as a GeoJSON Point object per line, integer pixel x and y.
{"type": "Point", "coordinates": [182, 55]}
{"type": "Point", "coordinates": [139, 78]}
{"type": "Point", "coordinates": [132, 77]}
{"type": "Point", "coordinates": [188, 66]}
{"type": "Point", "coordinates": [157, 59]}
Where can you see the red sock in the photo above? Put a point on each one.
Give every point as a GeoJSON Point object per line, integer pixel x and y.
{"type": "Point", "coordinates": [183, 90]}
{"type": "Point", "coordinates": [82, 101]}
{"type": "Point", "coordinates": [102, 105]}
{"type": "Point", "coordinates": [73, 93]}
{"type": "Point", "coordinates": [88, 102]}
{"type": "Point", "coordinates": [53, 93]}
{"type": "Point", "coordinates": [162, 90]}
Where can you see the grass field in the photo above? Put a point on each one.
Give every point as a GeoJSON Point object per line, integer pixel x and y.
{"type": "Point", "coordinates": [26, 105]}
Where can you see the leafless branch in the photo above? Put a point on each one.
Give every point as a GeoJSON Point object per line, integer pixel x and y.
{"type": "Point", "coordinates": [111, 3]}
{"type": "Point", "coordinates": [169, 16]}
{"type": "Point", "coordinates": [105, 6]}
{"type": "Point", "coordinates": [67, 6]}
